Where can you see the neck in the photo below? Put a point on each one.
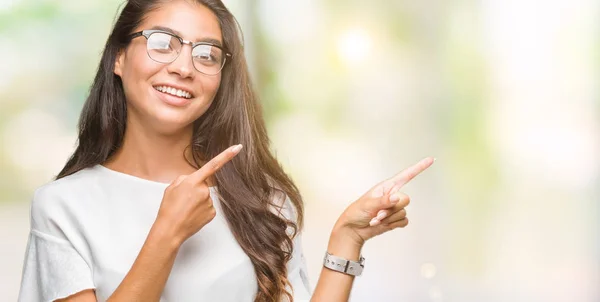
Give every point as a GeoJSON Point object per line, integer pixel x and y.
{"type": "Point", "coordinates": [151, 155]}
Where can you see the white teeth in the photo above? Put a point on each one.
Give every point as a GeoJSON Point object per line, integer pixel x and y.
{"type": "Point", "coordinates": [173, 91]}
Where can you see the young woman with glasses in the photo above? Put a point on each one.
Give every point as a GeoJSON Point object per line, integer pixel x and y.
{"type": "Point", "coordinates": [160, 201]}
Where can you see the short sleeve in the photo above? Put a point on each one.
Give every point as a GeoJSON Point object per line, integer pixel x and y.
{"type": "Point", "coordinates": [53, 269]}
{"type": "Point", "coordinates": [296, 267]}
{"type": "Point", "coordinates": [297, 272]}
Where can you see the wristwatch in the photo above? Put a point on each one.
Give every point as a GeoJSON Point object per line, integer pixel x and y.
{"type": "Point", "coordinates": [342, 265]}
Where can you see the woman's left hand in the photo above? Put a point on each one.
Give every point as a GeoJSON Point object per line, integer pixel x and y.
{"type": "Point", "coordinates": [381, 209]}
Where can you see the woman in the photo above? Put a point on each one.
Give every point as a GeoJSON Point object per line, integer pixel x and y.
{"type": "Point", "coordinates": [150, 207]}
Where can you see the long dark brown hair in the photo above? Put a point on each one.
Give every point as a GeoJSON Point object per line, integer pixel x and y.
{"type": "Point", "coordinates": [250, 186]}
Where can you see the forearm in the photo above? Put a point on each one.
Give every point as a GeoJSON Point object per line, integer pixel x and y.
{"type": "Point", "coordinates": [332, 285]}
{"type": "Point", "coordinates": [148, 275]}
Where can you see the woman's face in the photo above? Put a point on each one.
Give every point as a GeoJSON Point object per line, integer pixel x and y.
{"type": "Point", "coordinates": [143, 77]}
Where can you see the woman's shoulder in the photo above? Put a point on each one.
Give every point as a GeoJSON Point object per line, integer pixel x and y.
{"type": "Point", "coordinates": [76, 182]}
{"type": "Point", "coordinates": [57, 196]}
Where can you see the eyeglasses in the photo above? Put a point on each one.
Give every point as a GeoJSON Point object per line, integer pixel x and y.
{"type": "Point", "coordinates": [165, 47]}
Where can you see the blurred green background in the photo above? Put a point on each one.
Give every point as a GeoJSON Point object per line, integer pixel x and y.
{"type": "Point", "coordinates": [503, 92]}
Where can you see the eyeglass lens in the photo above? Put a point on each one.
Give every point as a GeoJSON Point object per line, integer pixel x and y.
{"type": "Point", "coordinates": [165, 48]}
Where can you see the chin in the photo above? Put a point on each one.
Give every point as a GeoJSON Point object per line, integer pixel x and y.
{"type": "Point", "coordinates": [172, 123]}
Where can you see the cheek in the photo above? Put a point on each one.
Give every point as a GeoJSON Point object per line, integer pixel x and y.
{"type": "Point", "coordinates": [212, 86]}
{"type": "Point", "coordinates": [209, 87]}
{"type": "Point", "coordinates": [135, 75]}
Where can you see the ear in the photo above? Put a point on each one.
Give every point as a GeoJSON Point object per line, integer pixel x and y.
{"type": "Point", "coordinates": [119, 63]}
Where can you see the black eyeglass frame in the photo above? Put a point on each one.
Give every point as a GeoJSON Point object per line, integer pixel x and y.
{"type": "Point", "coordinates": [147, 32]}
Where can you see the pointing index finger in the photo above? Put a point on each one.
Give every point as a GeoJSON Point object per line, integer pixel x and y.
{"type": "Point", "coordinates": [214, 165]}
{"type": "Point", "coordinates": [409, 173]}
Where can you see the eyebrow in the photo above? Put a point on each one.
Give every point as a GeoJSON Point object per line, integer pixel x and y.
{"type": "Point", "coordinates": [170, 30]}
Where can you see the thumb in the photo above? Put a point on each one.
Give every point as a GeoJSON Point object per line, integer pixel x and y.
{"type": "Point", "coordinates": [179, 179]}
{"type": "Point", "coordinates": [375, 204]}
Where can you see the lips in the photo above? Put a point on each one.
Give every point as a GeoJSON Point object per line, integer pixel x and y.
{"type": "Point", "coordinates": [174, 91]}
{"type": "Point", "coordinates": [172, 99]}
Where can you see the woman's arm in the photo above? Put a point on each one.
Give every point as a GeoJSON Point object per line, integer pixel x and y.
{"type": "Point", "coordinates": [332, 285]}
{"type": "Point", "coordinates": [379, 210]}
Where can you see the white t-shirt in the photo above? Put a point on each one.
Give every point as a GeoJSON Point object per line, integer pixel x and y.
{"type": "Point", "coordinates": [88, 228]}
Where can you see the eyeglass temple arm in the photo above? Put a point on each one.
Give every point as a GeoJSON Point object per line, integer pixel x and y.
{"type": "Point", "coordinates": [135, 35]}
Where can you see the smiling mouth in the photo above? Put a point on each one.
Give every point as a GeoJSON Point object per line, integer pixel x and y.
{"type": "Point", "coordinates": [174, 91]}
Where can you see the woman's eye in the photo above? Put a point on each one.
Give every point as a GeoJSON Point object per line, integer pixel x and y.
{"type": "Point", "coordinates": [206, 53]}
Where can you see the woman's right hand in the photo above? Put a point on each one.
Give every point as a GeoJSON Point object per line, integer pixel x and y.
{"type": "Point", "coordinates": [186, 206]}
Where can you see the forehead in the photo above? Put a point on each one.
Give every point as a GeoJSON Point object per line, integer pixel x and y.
{"type": "Point", "coordinates": [191, 20]}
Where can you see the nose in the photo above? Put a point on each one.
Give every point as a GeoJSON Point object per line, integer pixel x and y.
{"type": "Point", "coordinates": [183, 65]}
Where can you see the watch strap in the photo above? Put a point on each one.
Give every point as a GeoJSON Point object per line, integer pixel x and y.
{"type": "Point", "coordinates": [342, 265]}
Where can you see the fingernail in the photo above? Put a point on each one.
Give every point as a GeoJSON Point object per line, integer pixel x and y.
{"type": "Point", "coordinates": [435, 158]}
{"type": "Point", "coordinates": [237, 148]}
{"type": "Point", "coordinates": [394, 198]}
{"type": "Point", "coordinates": [381, 215]}
{"type": "Point", "coordinates": [374, 221]}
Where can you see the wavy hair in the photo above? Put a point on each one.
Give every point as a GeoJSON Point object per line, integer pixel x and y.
{"type": "Point", "coordinates": [249, 186]}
